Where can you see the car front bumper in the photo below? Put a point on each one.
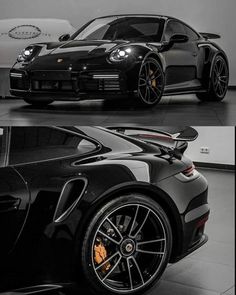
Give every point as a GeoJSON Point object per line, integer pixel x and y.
{"type": "Point", "coordinates": [70, 85]}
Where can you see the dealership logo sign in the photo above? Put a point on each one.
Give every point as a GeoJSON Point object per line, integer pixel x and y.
{"type": "Point", "coordinates": [24, 32]}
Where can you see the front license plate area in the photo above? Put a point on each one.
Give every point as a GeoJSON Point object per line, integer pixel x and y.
{"type": "Point", "coordinates": [51, 75]}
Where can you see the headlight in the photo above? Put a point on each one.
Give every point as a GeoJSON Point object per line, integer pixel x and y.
{"type": "Point", "coordinates": [120, 54]}
{"type": "Point", "coordinates": [26, 54]}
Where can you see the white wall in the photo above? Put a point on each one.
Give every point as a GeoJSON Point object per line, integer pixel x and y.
{"type": "Point", "coordinates": [221, 142]}
{"type": "Point", "coordinates": [214, 16]}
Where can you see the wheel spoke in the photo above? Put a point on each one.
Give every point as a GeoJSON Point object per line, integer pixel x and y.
{"type": "Point", "coordinates": [129, 273]}
{"type": "Point", "coordinates": [150, 242]}
{"type": "Point", "coordinates": [215, 72]}
{"type": "Point", "coordinates": [138, 269]}
{"type": "Point", "coordinates": [139, 226]}
{"type": "Point", "coordinates": [152, 88]}
{"type": "Point", "coordinates": [107, 260]}
{"type": "Point", "coordinates": [221, 67]}
{"type": "Point", "coordinates": [134, 220]}
{"type": "Point", "coordinates": [221, 89]}
{"type": "Point", "coordinates": [112, 269]}
{"type": "Point", "coordinates": [154, 77]}
{"type": "Point", "coordinates": [157, 88]}
{"type": "Point", "coordinates": [148, 69]}
{"type": "Point", "coordinates": [143, 82]}
{"type": "Point", "coordinates": [108, 237]}
{"type": "Point", "coordinates": [149, 94]}
{"type": "Point", "coordinates": [150, 252]}
{"type": "Point", "coordinates": [223, 79]}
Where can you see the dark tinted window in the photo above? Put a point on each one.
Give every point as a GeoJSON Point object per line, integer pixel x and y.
{"type": "Point", "coordinates": [125, 28]}
{"type": "Point", "coordinates": [30, 144]}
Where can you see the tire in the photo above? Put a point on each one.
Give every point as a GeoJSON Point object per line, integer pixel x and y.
{"type": "Point", "coordinates": [113, 258]}
{"type": "Point", "coordinates": [218, 82]}
{"type": "Point", "coordinates": [150, 83]}
{"type": "Point", "coordinates": [38, 102]}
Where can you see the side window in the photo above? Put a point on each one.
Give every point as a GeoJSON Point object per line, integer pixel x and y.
{"type": "Point", "coordinates": [172, 28]}
{"type": "Point", "coordinates": [32, 144]}
{"type": "Point", "coordinates": [191, 34]}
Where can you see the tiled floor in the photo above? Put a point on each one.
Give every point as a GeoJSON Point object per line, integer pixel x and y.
{"type": "Point", "coordinates": [184, 110]}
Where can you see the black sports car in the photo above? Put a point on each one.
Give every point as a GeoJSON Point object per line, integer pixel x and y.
{"type": "Point", "coordinates": [108, 206]}
{"type": "Point", "coordinates": [141, 56]}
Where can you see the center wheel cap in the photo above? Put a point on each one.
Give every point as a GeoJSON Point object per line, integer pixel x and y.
{"type": "Point", "coordinates": [127, 247]}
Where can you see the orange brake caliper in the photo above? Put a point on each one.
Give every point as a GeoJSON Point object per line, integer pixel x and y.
{"type": "Point", "coordinates": [100, 255]}
{"type": "Point", "coordinates": [154, 82]}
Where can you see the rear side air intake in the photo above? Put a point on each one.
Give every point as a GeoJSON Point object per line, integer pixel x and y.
{"type": "Point", "coordinates": [70, 196]}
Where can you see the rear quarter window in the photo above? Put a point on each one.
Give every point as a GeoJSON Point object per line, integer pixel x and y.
{"type": "Point", "coordinates": [33, 144]}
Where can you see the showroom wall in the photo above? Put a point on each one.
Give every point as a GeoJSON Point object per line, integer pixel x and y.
{"type": "Point", "coordinates": [221, 144]}
{"type": "Point", "coordinates": [214, 16]}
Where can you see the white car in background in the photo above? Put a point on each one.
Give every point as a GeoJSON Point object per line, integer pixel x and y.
{"type": "Point", "coordinates": [18, 33]}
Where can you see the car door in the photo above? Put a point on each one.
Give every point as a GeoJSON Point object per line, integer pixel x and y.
{"type": "Point", "coordinates": [181, 58]}
{"type": "Point", "coordinates": [14, 200]}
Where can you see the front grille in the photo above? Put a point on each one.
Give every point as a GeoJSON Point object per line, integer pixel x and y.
{"type": "Point", "coordinates": [100, 85]}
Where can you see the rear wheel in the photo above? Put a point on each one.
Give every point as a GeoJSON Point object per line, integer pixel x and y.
{"type": "Point", "coordinates": [218, 83]}
{"type": "Point", "coordinates": [38, 102]}
{"type": "Point", "coordinates": [127, 246]}
{"type": "Point", "coordinates": [150, 83]}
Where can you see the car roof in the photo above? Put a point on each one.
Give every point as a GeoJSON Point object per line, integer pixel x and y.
{"type": "Point", "coordinates": [138, 15]}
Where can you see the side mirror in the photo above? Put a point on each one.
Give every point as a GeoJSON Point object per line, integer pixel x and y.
{"type": "Point", "coordinates": [179, 38]}
{"type": "Point", "coordinates": [64, 37]}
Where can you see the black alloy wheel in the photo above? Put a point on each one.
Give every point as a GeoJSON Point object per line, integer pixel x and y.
{"type": "Point", "coordinates": [219, 81]}
{"type": "Point", "coordinates": [127, 246]}
{"type": "Point", "coordinates": [150, 82]}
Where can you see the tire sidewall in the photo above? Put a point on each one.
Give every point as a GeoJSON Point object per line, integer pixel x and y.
{"type": "Point", "coordinates": [86, 253]}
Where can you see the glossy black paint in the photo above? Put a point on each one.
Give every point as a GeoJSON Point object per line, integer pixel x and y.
{"type": "Point", "coordinates": [41, 245]}
{"type": "Point", "coordinates": [186, 65]}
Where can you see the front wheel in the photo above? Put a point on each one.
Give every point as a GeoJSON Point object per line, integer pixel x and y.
{"type": "Point", "coordinates": [218, 82]}
{"type": "Point", "coordinates": [127, 246]}
{"type": "Point", "coordinates": [150, 82]}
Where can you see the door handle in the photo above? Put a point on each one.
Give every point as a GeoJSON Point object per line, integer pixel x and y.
{"type": "Point", "coordinates": [8, 203]}
{"type": "Point", "coordinates": [194, 54]}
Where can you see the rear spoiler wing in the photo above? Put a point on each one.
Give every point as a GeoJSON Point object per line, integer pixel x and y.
{"type": "Point", "coordinates": [172, 133]}
{"type": "Point", "coordinates": [173, 138]}
{"type": "Point", "coordinates": [210, 36]}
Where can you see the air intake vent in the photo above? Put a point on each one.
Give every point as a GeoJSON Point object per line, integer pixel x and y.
{"type": "Point", "coordinates": [69, 198]}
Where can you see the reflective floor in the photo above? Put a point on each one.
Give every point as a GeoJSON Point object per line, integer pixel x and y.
{"type": "Point", "coordinates": [209, 270]}
{"type": "Point", "coordinates": [173, 110]}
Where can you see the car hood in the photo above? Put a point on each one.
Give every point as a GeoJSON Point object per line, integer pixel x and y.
{"type": "Point", "coordinates": [81, 47]}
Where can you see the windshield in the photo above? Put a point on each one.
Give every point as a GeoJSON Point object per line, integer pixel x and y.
{"type": "Point", "coordinates": [122, 28]}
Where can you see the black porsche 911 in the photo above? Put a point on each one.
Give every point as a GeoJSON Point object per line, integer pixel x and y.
{"type": "Point", "coordinates": [110, 207]}
{"type": "Point", "coordinates": [138, 56]}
